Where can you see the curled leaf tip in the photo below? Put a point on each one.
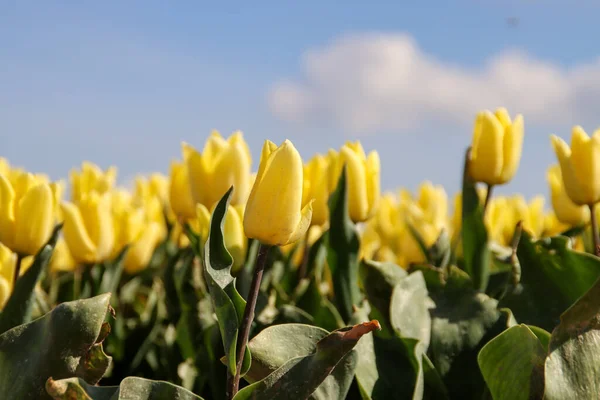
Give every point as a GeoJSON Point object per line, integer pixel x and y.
{"type": "Point", "coordinates": [357, 331]}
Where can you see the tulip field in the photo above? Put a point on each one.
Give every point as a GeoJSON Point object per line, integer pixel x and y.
{"type": "Point", "coordinates": [302, 280]}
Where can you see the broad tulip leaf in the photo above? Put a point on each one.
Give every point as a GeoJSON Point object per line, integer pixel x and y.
{"type": "Point", "coordinates": [553, 276]}
{"type": "Point", "coordinates": [512, 364]}
{"type": "Point", "coordinates": [131, 388]}
{"type": "Point", "coordinates": [342, 255]}
{"type": "Point", "coordinates": [572, 370]}
{"type": "Point", "coordinates": [62, 344]}
{"type": "Point", "coordinates": [300, 376]}
{"type": "Point", "coordinates": [227, 302]}
{"type": "Point", "coordinates": [409, 309]}
{"type": "Point", "coordinates": [394, 368]}
{"type": "Point", "coordinates": [19, 307]}
{"type": "Point", "coordinates": [276, 345]}
{"type": "Point", "coordinates": [476, 253]}
{"type": "Point", "coordinates": [463, 321]}
{"type": "Point", "coordinates": [378, 280]}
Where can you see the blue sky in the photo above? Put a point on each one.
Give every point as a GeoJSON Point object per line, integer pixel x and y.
{"type": "Point", "coordinates": [123, 83]}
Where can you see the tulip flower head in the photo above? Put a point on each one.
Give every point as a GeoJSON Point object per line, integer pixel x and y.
{"type": "Point", "coordinates": [273, 213]}
{"type": "Point", "coordinates": [91, 179]}
{"type": "Point", "coordinates": [496, 148]}
{"type": "Point", "coordinates": [27, 213]}
{"type": "Point", "coordinates": [316, 187]}
{"type": "Point", "coordinates": [180, 196]}
{"type": "Point", "coordinates": [223, 163]}
{"type": "Point", "coordinates": [580, 165]}
{"type": "Point", "coordinates": [363, 178]}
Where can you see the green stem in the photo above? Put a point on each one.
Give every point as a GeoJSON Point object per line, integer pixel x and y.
{"type": "Point", "coordinates": [304, 263]}
{"type": "Point", "coordinates": [244, 331]}
{"type": "Point", "coordinates": [594, 222]}
{"type": "Point", "coordinates": [77, 281]}
{"type": "Point", "coordinates": [17, 272]}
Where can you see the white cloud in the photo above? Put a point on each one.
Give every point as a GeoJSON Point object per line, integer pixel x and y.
{"type": "Point", "coordinates": [368, 82]}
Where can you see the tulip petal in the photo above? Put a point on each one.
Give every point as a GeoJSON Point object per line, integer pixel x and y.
{"type": "Point", "coordinates": [35, 216]}
{"type": "Point", "coordinates": [358, 202]}
{"type": "Point", "coordinates": [572, 187]}
{"type": "Point", "coordinates": [373, 180]}
{"type": "Point", "coordinates": [81, 246]}
{"type": "Point", "coordinates": [180, 195]}
{"type": "Point", "coordinates": [139, 254]}
{"type": "Point", "coordinates": [232, 169]}
{"type": "Point", "coordinates": [512, 148]}
{"type": "Point", "coordinates": [7, 212]}
{"type": "Point", "coordinates": [303, 225]}
{"type": "Point", "coordinates": [197, 174]}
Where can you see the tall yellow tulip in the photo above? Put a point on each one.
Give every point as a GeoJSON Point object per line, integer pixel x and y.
{"type": "Point", "coordinates": [566, 211]}
{"type": "Point", "coordinates": [88, 228]}
{"type": "Point", "coordinates": [496, 147]}
{"type": "Point", "coordinates": [26, 214]}
{"type": "Point", "coordinates": [223, 163]}
{"type": "Point", "coordinates": [363, 179]}
{"type": "Point", "coordinates": [580, 165]}
{"type": "Point", "coordinates": [273, 213]}
{"type": "Point", "coordinates": [316, 187]}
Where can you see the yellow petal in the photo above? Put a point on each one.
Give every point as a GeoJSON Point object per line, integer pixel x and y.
{"type": "Point", "coordinates": [585, 158]}
{"type": "Point", "coordinates": [570, 181]}
{"type": "Point", "coordinates": [235, 239]}
{"type": "Point", "coordinates": [81, 246]}
{"type": "Point", "coordinates": [513, 145]}
{"type": "Point", "coordinates": [62, 260]}
{"type": "Point", "coordinates": [303, 225]}
{"type": "Point", "coordinates": [231, 169]}
{"type": "Point", "coordinates": [35, 219]}
{"type": "Point", "coordinates": [373, 180]}
{"type": "Point", "coordinates": [180, 196]}
{"type": "Point", "coordinates": [4, 292]}
{"type": "Point", "coordinates": [197, 175]}
{"type": "Point", "coordinates": [213, 147]}
{"type": "Point", "coordinates": [140, 252]}
{"type": "Point", "coordinates": [7, 212]}
{"type": "Point", "coordinates": [503, 117]}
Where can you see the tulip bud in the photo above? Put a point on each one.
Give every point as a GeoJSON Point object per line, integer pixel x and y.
{"type": "Point", "coordinates": [496, 148]}
{"type": "Point", "coordinates": [26, 214]}
{"type": "Point", "coordinates": [316, 187]}
{"type": "Point", "coordinates": [180, 195]}
{"type": "Point", "coordinates": [235, 239]}
{"type": "Point", "coordinates": [566, 211]}
{"type": "Point", "coordinates": [273, 213]}
{"type": "Point", "coordinates": [580, 166]}
{"type": "Point", "coordinates": [88, 228]}
{"type": "Point", "coordinates": [363, 179]}
{"type": "Point", "coordinates": [223, 163]}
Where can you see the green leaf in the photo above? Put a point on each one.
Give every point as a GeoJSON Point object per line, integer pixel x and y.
{"type": "Point", "coordinates": [379, 280]}
{"type": "Point", "coordinates": [342, 255]}
{"type": "Point", "coordinates": [572, 369]}
{"type": "Point", "coordinates": [227, 302]}
{"type": "Point", "coordinates": [553, 276]}
{"type": "Point", "coordinates": [409, 309]}
{"type": "Point", "coordinates": [394, 368]}
{"type": "Point", "coordinates": [300, 376]}
{"type": "Point", "coordinates": [19, 307]}
{"type": "Point", "coordinates": [512, 364]}
{"type": "Point", "coordinates": [131, 388]}
{"type": "Point", "coordinates": [276, 345]}
{"type": "Point", "coordinates": [463, 321]}
{"type": "Point", "coordinates": [61, 344]}
{"type": "Point", "coordinates": [476, 253]}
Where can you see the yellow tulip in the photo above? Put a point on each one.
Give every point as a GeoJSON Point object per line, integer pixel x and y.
{"type": "Point", "coordinates": [223, 163]}
{"type": "Point", "coordinates": [497, 216]}
{"type": "Point", "coordinates": [201, 224]}
{"type": "Point", "coordinates": [180, 195]}
{"type": "Point", "coordinates": [553, 226]}
{"type": "Point", "coordinates": [273, 213]}
{"type": "Point", "coordinates": [388, 217]}
{"type": "Point", "coordinates": [4, 166]}
{"type": "Point", "coordinates": [580, 166]}
{"type": "Point", "coordinates": [363, 179]}
{"type": "Point", "coordinates": [531, 214]}
{"type": "Point", "coordinates": [316, 187]}
{"type": "Point", "coordinates": [26, 214]}
{"type": "Point", "coordinates": [496, 147]}
{"type": "Point", "coordinates": [141, 248]}
{"type": "Point", "coordinates": [91, 179]}
{"type": "Point", "coordinates": [88, 228]}
{"type": "Point", "coordinates": [566, 211]}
